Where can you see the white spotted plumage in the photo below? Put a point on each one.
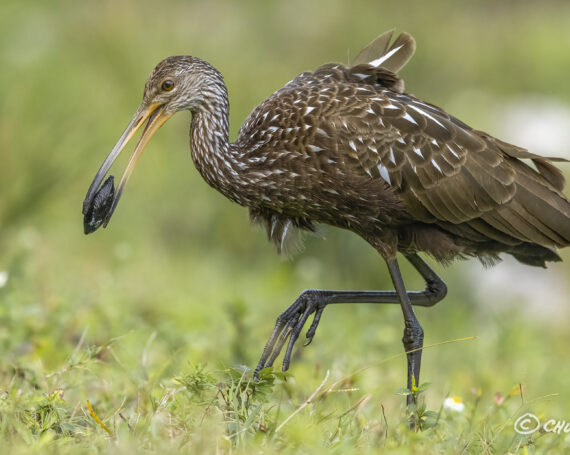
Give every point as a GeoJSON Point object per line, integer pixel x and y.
{"type": "Point", "coordinates": [345, 140]}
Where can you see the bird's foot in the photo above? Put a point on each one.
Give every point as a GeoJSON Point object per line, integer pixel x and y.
{"type": "Point", "coordinates": [289, 325]}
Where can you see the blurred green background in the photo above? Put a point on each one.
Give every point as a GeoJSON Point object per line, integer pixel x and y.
{"type": "Point", "coordinates": [179, 276]}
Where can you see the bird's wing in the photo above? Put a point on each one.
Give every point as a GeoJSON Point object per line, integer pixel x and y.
{"type": "Point", "coordinates": [355, 121]}
{"type": "Point", "coordinates": [441, 167]}
{"type": "Point", "coordinates": [358, 117]}
{"type": "Point", "coordinates": [447, 172]}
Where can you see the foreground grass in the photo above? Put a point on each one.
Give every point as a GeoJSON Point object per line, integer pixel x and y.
{"type": "Point", "coordinates": [145, 402]}
{"type": "Point", "coordinates": [225, 412]}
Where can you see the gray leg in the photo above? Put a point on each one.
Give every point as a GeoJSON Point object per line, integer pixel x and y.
{"type": "Point", "coordinates": [413, 338]}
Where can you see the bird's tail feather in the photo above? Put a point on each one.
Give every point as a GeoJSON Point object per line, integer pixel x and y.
{"type": "Point", "coordinates": [538, 213]}
{"type": "Point", "coordinates": [380, 54]}
{"type": "Point", "coordinates": [535, 255]}
{"type": "Point", "coordinates": [545, 204]}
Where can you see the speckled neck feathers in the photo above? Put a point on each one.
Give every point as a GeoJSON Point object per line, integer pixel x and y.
{"type": "Point", "coordinates": [209, 135]}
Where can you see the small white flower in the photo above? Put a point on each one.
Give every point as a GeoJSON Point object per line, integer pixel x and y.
{"type": "Point", "coordinates": [3, 278]}
{"type": "Point", "coordinates": [454, 403]}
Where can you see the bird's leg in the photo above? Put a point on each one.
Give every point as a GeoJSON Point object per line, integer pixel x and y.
{"type": "Point", "coordinates": [413, 338]}
{"type": "Point", "coordinates": [290, 323]}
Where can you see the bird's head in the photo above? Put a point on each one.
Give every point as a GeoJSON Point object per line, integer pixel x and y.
{"type": "Point", "coordinates": [176, 83]}
{"type": "Point", "coordinates": [181, 83]}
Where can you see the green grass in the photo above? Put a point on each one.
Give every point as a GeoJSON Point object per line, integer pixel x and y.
{"type": "Point", "coordinates": [152, 402]}
{"type": "Point", "coordinates": [156, 321]}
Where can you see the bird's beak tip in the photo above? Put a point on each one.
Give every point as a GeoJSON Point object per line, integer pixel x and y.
{"type": "Point", "coordinates": [101, 201]}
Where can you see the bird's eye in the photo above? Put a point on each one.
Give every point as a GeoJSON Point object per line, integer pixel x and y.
{"type": "Point", "coordinates": [168, 85]}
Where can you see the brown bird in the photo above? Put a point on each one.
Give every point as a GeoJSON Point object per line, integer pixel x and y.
{"type": "Point", "coordinates": [346, 146]}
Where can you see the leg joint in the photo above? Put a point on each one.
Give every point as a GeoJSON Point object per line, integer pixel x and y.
{"type": "Point", "coordinates": [316, 297]}
{"type": "Point", "coordinates": [309, 294]}
{"type": "Point", "coordinates": [413, 337]}
{"type": "Point", "coordinates": [435, 290]}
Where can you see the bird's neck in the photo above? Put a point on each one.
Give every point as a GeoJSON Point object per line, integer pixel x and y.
{"type": "Point", "coordinates": [213, 155]}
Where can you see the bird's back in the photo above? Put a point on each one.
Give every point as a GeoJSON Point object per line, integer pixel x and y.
{"type": "Point", "coordinates": [346, 146]}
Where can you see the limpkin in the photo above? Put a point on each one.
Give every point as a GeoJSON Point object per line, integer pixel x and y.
{"type": "Point", "coordinates": [347, 147]}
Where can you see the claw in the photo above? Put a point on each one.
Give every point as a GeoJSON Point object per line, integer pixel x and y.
{"type": "Point", "coordinates": [289, 326]}
{"type": "Point", "coordinates": [269, 347]}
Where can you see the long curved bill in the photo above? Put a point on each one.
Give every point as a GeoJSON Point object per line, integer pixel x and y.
{"type": "Point", "coordinates": [94, 214]}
